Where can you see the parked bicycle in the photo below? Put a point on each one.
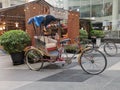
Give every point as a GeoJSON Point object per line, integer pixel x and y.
{"type": "Point", "coordinates": [109, 47]}
{"type": "Point", "coordinates": [91, 60]}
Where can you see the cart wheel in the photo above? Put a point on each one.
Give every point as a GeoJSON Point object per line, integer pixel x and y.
{"type": "Point", "coordinates": [34, 59]}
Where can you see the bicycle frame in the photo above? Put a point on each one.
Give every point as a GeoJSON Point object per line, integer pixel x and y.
{"type": "Point", "coordinates": [107, 47]}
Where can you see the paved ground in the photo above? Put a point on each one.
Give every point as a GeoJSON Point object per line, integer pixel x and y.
{"type": "Point", "coordinates": [55, 77]}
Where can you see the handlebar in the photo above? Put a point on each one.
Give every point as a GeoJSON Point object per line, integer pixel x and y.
{"type": "Point", "coordinates": [64, 41]}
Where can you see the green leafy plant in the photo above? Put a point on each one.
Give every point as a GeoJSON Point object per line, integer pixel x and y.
{"type": "Point", "coordinates": [83, 34]}
{"type": "Point", "coordinates": [97, 33]}
{"type": "Point", "coordinates": [14, 41]}
{"type": "Point", "coordinates": [71, 48]}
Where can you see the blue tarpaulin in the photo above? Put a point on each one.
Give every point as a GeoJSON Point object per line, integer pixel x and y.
{"type": "Point", "coordinates": [45, 19]}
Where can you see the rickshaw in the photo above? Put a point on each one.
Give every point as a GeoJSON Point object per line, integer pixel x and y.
{"type": "Point", "coordinates": [92, 61]}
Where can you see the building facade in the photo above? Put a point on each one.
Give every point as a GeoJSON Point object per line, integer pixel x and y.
{"type": "Point", "coordinates": [106, 12]}
{"type": "Point", "coordinates": [8, 3]}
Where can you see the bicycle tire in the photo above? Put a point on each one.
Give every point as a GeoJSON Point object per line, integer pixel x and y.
{"type": "Point", "coordinates": [34, 59]}
{"type": "Point", "coordinates": [94, 62]}
{"type": "Point", "coordinates": [110, 49]}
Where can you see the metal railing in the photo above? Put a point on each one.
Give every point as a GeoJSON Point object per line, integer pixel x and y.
{"type": "Point", "coordinates": [112, 34]}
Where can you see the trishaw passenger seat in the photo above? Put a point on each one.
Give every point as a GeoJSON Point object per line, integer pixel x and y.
{"type": "Point", "coordinates": [50, 43]}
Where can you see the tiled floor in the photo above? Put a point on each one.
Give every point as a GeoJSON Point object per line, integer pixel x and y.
{"type": "Point", "coordinates": [68, 76]}
{"type": "Point", "coordinates": [56, 77]}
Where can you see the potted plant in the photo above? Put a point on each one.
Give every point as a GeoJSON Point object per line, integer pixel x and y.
{"type": "Point", "coordinates": [96, 36]}
{"type": "Point", "coordinates": [97, 33]}
{"type": "Point", "coordinates": [71, 49]}
{"type": "Point", "coordinates": [14, 42]}
{"type": "Point", "coordinates": [83, 34]}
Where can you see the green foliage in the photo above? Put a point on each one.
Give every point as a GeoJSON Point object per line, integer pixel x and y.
{"type": "Point", "coordinates": [70, 48]}
{"type": "Point", "coordinates": [83, 34]}
{"type": "Point", "coordinates": [15, 41]}
{"type": "Point", "coordinates": [97, 33]}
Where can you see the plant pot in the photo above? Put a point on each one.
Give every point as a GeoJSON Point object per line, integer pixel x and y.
{"type": "Point", "coordinates": [98, 41]}
{"type": "Point", "coordinates": [17, 58]}
{"type": "Point", "coordinates": [93, 38]}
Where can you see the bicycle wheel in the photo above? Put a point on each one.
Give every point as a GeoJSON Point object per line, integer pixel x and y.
{"type": "Point", "coordinates": [34, 59]}
{"type": "Point", "coordinates": [94, 62]}
{"type": "Point", "coordinates": [110, 48]}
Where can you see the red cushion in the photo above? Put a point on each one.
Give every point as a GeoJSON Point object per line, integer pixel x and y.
{"type": "Point", "coordinates": [52, 48]}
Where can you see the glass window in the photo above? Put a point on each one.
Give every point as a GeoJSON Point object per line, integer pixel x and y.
{"type": "Point", "coordinates": [107, 9]}
{"type": "Point", "coordinates": [85, 11]}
